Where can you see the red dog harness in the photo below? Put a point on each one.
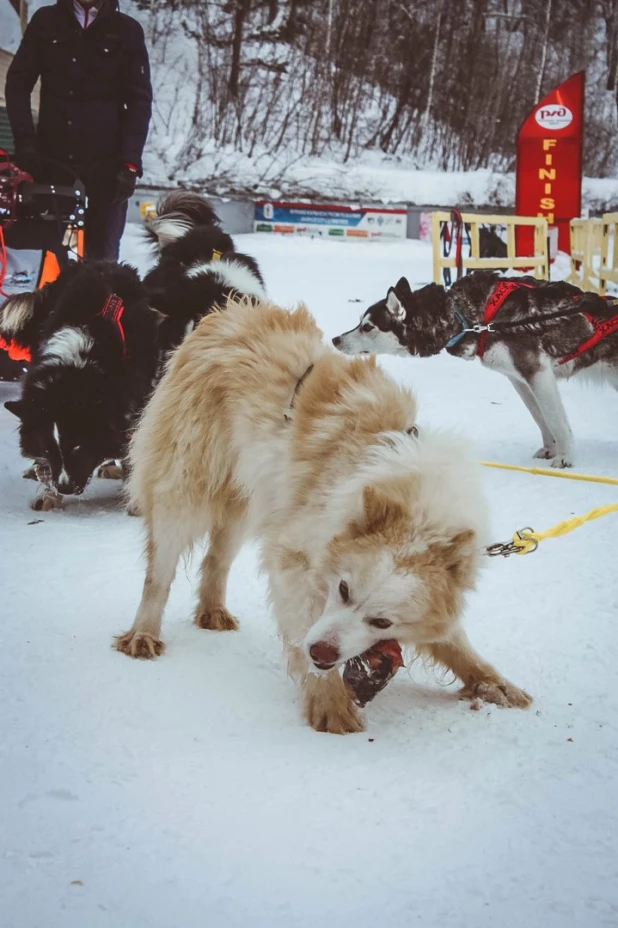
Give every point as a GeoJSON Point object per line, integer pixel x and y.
{"type": "Point", "coordinates": [113, 310]}
{"type": "Point", "coordinates": [601, 330]}
{"type": "Point", "coordinates": [492, 307]}
{"type": "Point", "coordinates": [16, 352]}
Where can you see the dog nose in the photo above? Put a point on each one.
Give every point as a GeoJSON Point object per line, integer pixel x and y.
{"type": "Point", "coordinates": [68, 488]}
{"type": "Point", "coordinates": [324, 655]}
{"type": "Point", "coordinates": [337, 341]}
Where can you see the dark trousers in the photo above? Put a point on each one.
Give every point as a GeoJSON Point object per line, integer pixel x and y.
{"type": "Point", "coordinates": [105, 222]}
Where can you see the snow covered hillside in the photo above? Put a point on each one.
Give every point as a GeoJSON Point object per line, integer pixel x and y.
{"type": "Point", "coordinates": [291, 114]}
{"type": "Point", "coordinates": [188, 791]}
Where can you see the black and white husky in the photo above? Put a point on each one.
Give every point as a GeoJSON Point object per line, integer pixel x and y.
{"type": "Point", "coordinates": [93, 340]}
{"type": "Point", "coordinates": [99, 337]}
{"type": "Point", "coordinates": [534, 332]}
{"type": "Point", "coordinates": [198, 267]}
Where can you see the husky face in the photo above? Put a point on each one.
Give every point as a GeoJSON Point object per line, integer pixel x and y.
{"type": "Point", "coordinates": [403, 323]}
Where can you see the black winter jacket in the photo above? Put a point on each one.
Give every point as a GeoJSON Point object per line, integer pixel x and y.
{"type": "Point", "coordinates": [96, 95]}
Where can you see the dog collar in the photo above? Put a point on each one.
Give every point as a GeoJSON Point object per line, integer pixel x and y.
{"type": "Point", "coordinates": [299, 383]}
{"type": "Point", "coordinates": [465, 327]}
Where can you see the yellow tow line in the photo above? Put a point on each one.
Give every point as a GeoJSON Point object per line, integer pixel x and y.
{"type": "Point", "coordinates": [526, 540]}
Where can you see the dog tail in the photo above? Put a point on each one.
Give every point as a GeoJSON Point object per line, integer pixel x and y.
{"type": "Point", "coordinates": [21, 317]}
{"type": "Point", "coordinates": [177, 214]}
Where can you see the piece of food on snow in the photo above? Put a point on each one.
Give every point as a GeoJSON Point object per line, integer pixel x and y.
{"type": "Point", "coordinates": [369, 673]}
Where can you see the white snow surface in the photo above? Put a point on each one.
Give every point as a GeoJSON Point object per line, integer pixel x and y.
{"type": "Point", "coordinates": [189, 792]}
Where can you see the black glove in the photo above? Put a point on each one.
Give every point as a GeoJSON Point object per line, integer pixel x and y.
{"type": "Point", "coordinates": [28, 158]}
{"type": "Point", "coordinates": [125, 181]}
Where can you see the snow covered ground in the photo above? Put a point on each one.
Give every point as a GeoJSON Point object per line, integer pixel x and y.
{"type": "Point", "coordinates": [188, 791]}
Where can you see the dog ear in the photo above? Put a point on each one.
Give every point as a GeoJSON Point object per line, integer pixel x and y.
{"type": "Point", "coordinates": [403, 288]}
{"type": "Point", "coordinates": [379, 510]}
{"type": "Point", "coordinates": [459, 554]}
{"type": "Point", "coordinates": [394, 306]}
{"type": "Point", "coordinates": [16, 407]}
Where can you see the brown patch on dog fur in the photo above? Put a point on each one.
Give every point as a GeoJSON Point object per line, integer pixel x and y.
{"type": "Point", "coordinates": [110, 472]}
{"type": "Point", "coordinates": [218, 620]}
{"type": "Point", "coordinates": [480, 679]}
{"type": "Point", "coordinates": [141, 645]}
{"type": "Point", "coordinates": [293, 560]}
{"type": "Point", "coordinates": [47, 502]}
{"type": "Point", "coordinates": [328, 706]}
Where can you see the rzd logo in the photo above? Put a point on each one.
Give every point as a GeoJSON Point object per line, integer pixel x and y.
{"type": "Point", "coordinates": [554, 117]}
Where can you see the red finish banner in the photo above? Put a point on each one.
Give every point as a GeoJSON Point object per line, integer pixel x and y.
{"type": "Point", "coordinates": [549, 162]}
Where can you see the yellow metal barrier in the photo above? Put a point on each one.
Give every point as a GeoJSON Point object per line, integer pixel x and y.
{"type": "Point", "coordinates": [539, 262]}
{"type": "Point", "coordinates": [609, 251]}
{"type": "Point", "coordinates": [586, 251]}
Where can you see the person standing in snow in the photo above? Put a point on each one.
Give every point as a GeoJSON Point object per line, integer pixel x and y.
{"type": "Point", "coordinates": [96, 101]}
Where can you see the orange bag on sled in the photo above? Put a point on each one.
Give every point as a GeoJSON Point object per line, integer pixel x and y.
{"type": "Point", "coordinates": [41, 229]}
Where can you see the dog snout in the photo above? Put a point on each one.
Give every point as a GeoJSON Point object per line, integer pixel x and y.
{"type": "Point", "coordinates": [67, 487]}
{"type": "Point", "coordinates": [337, 341]}
{"type": "Point", "coordinates": [324, 654]}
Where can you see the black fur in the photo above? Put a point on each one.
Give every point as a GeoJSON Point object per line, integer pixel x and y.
{"type": "Point", "coordinates": [183, 299]}
{"type": "Point", "coordinates": [75, 416]}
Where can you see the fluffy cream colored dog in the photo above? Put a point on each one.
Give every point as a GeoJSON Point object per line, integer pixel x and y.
{"type": "Point", "coordinates": [369, 530]}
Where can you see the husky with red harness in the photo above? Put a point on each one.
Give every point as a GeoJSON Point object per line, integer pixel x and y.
{"type": "Point", "coordinates": [534, 332]}
{"type": "Point", "coordinates": [95, 353]}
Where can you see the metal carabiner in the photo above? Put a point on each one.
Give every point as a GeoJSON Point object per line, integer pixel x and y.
{"type": "Point", "coordinates": [505, 549]}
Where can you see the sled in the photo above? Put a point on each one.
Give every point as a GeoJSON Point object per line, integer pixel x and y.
{"type": "Point", "coordinates": [41, 230]}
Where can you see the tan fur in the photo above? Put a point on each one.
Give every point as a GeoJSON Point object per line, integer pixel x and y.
{"type": "Point", "coordinates": [47, 502]}
{"type": "Point", "coordinates": [233, 444]}
{"type": "Point", "coordinates": [110, 472]}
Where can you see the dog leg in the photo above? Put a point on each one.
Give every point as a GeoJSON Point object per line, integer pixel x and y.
{"type": "Point", "coordinates": [544, 388]}
{"type": "Point", "coordinates": [327, 703]}
{"type": "Point", "coordinates": [480, 679]}
{"type": "Point", "coordinates": [224, 544]}
{"type": "Point", "coordinates": [50, 499]}
{"type": "Point", "coordinates": [163, 548]}
{"type": "Point", "coordinates": [110, 471]}
{"type": "Point", "coordinates": [549, 443]}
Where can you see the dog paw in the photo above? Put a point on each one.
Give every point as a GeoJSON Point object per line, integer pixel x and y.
{"type": "Point", "coordinates": [47, 502]}
{"type": "Point", "coordinates": [560, 461]}
{"type": "Point", "coordinates": [133, 511]}
{"type": "Point", "coordinates": [338, 717]}
{"type": "Point", "coordinates": [499, 692]}
{"type": "Point", "coordinates": [110, 471]}
{"type": "Point", "coordinates": [139, 644]}
{"type": "Point", "coordinates": [30, 473]}
{"type": "Point", "coordinates": [217, 620]}
{"type": "Point", "coordinates": [545, 454]}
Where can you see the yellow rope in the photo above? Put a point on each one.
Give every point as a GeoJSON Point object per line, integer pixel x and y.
{"type": "Point", "coordinates": [550, 472]}
{"type": "Point", "coordinates": [527, 540]}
